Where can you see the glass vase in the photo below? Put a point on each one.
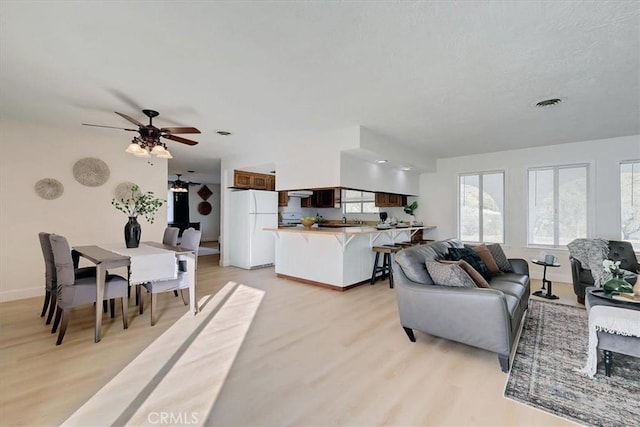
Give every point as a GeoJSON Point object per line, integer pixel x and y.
{"type": "Point", "coordinates": [617, 285]}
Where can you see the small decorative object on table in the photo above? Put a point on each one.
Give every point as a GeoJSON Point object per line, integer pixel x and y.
{"type": "Point", "coordinates": [134, 204]}
{"type": "Point", "coordinates": [307, 222]}
{"type": "Point", "coordinates": [616, 284]}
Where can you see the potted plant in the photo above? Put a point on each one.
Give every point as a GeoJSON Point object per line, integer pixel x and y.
{"type": "Point", "coordinates": [135, 204]}
{"type": "Point", "coordinates": [410, 210]}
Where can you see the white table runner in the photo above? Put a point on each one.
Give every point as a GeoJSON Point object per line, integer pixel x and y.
{"type": "Point", "coordinates": [148, 263]}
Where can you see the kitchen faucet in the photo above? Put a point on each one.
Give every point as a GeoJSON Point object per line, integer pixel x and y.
{"type": "Point", "coordinates": [344, 219]}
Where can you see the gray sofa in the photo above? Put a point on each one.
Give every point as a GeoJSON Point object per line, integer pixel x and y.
{"type": "Point", "coordinates": [480, 317]}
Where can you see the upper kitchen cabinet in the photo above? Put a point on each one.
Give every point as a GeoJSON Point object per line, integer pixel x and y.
{"type": "Point", "coordinates": [254, 180]}
{"type": "Point", "coordinates": [388, 200]}
{"type": "Point", "coordinates": [283, 198]}
{"type": "Point", "coordinates": [326, 198]}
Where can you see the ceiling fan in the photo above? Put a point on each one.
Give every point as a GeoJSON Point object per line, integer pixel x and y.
{"type": "Point", "coordinates": [149, 140]}
{"type": "Point", "coordinates": [180, 186]}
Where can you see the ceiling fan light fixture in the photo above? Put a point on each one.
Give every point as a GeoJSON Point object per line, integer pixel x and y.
{"type": "Point", "coordinates": [142, 153]}
{"type": "Point", "coordinates": [165, 155]}
{"type": "Point", "coordinates": [158, 150]}
{"type": "Point", "coordinates": [133, 148]}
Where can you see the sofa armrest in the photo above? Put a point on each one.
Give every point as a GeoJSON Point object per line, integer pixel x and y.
{"type": "Point", "coordinates": [519, 266]}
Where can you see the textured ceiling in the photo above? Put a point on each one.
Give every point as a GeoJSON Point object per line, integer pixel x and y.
{"type": "Point", "coordinates": [446, 78]}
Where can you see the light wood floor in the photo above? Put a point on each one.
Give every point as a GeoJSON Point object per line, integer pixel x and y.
{"type": "Point", "coordinates": [311, 357]}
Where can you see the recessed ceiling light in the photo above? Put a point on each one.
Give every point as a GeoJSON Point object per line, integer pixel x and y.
{"type": "Point", "coordinates": [548, 102]}
{"type": "Point", "coordinates": [223, 132]}
{"type": "Point", "coordinates": [381, 161]}
{"type": "Point", "coordinates": [406, 168]}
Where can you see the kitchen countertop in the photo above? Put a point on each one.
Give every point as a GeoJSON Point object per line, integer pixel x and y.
{"type": "Point", "coordinates": [346, 230]}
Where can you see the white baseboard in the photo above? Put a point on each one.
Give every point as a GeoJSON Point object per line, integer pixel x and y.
{"type": "Point", "coordinates": [21, 294]}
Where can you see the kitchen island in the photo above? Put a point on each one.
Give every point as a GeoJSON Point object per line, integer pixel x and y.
{"type": "Point", "coordinates": [337, 258]}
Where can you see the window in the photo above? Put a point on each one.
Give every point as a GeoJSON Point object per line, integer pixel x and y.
{"type": "Point", "coordinates": [630, 202]}
{"type": "Point", "coordinates": [481, 207]}
{"type": "Point", "coordinates": [358, 202]}
{"type": "Point", "coordinates": [557, 204]}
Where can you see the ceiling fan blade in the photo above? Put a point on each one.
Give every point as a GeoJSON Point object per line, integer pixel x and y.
{"type": "Point", "coordinates": [112, 127]}
{"type": "Point", "coordinates": [131, 119]}
{"type": "Point", "coordinates": [180, 139]}
{"type": "Point", "coordinates": [180, 130]}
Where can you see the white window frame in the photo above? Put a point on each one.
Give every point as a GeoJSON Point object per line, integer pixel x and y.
{"type": "Point", "coordinates": [481, 207]}
{"type": "Point", "coordinates": [556, 222]}
{"type": "Point", "coordinates": [355, 201]}
{"type": "Point", "coordinates": [633, 162]}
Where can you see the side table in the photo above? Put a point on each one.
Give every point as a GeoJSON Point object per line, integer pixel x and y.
{"type": "Point", "coordinates": [545, 282]}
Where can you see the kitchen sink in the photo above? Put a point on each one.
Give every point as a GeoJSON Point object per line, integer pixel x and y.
{"type": "Point", "coordinates": [334, 225]}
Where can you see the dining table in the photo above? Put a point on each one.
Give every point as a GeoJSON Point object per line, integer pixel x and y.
{"type": "Point", "coordinates": [111, 256]}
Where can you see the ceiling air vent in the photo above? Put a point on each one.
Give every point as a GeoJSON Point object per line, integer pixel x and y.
{"type": "Point", "coordinates": [548, 102]}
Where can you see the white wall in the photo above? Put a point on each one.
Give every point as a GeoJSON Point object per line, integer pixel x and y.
{"type": "Point", "coordinates": [209, 224]}
{"type": "Point", "coordinates": [367, 176]}
{"type": "Point", "coordinates": [438, 191]}
{"type": "Point", "coordinates": [83, 214]}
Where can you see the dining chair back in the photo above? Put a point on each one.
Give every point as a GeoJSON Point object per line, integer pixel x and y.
{"type": "Point", "coordinates": [49, 277]}
{"type": "Point", "coordinates": [73, 291]}
{"type": "Point", "coordinates": [171, 236]}
{"type": "Point", "coordinates": [190, 241]}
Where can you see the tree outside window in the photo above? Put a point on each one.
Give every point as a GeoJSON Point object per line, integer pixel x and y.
{"type": "Point", "coordinates": [630, 202]}
{"type": "Point", "coordinates": [358, 202]}
{"type": "Point", "coordinates": [557, 205]}
{"type": "Point", "coordinates": [481, 207]}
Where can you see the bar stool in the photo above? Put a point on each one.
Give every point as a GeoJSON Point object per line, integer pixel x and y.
{"type": "Point", "coordinates": [405, 244]}
{"type": "Point", "coordinates": [386, 268]}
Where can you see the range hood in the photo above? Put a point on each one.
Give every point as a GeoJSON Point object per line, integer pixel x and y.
{"type": "Point", "coordinates": [300, 193]}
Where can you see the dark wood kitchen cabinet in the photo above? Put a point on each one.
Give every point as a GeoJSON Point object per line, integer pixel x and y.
{"type": "Point", "coordinates": [389, 200]}
{"type": "Point", "coordinates": [325, 198]}
{"type": "Point", "coordinates": [254, 180]}
{"type": "Point", "coordinates": [283, 198]}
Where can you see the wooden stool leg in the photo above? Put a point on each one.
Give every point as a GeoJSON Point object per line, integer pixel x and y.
{"type": "Point", "coordinates": [375, 268]}
{"type": "Point", "coordinates": [390, 273]}
{"type": "Point", "coordinates": [45, 304]}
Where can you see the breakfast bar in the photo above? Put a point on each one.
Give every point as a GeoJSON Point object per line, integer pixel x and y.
{"type": "Point", "coordinates": [338, 258]}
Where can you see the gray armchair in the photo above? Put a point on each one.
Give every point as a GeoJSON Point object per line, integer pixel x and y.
{"type": "Point", "coordinates": [480, 317]}
{"type": "Point", "coordinates": [619, 250]}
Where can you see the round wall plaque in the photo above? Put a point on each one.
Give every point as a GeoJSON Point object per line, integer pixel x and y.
{"type": "Point", "coordinates": [123, 191]}
{"type": "Point", "coordinates": [49, 188]}
{"type": "Point", "coordinates": [204, 208]}
{"type": "Point", "coordinates": [91, 172]}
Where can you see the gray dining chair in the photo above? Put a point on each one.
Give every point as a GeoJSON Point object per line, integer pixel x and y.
{"type": "Point", "coordinates": [190, 241]}
{"type": "Point", "coordinates": [171, 236]}
{"type": "Point", "coordinates": [50, 277]}
{"type": "Point", "coordinates": [73, 291]}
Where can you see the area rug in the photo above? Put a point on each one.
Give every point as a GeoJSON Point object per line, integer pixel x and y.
{"type": "Point", "coordinates": [553, 342]}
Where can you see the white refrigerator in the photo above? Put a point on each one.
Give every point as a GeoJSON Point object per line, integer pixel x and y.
{"type": "Point", "coordinates": [250, 246]}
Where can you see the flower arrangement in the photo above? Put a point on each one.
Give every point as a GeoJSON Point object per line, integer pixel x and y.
{"type": "Point", "coordinates": [612, 267]}
{"type": "Point", "coordinates": [145, 204]}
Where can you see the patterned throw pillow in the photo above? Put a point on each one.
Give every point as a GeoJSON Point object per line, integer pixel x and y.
{"type": "Point", "coordinates": [488, 259]}
{"type": "Point", "coordinates": [501, 259]}
{"type": "Point", "coordinates": [475, 276]}
{"type": "Point", "coordinates": [449, 275]}
{"type": "Point", "coordinates": [472, 258]}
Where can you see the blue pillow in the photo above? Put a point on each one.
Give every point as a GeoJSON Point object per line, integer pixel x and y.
{"type": "Point", "coordinates": [470, 256]}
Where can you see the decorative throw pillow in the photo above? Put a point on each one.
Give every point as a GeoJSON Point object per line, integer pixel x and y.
{"type": "Point", "coordinates": [488, 259]}
{"type": "Point", "coordinates": [500, 258]}
{"type": "Point", "coordinates": [475, 276]}
{"type": "Point", "coordinates": [449, 275]}
{"type": "Point", "coordinates": [472, 258]}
